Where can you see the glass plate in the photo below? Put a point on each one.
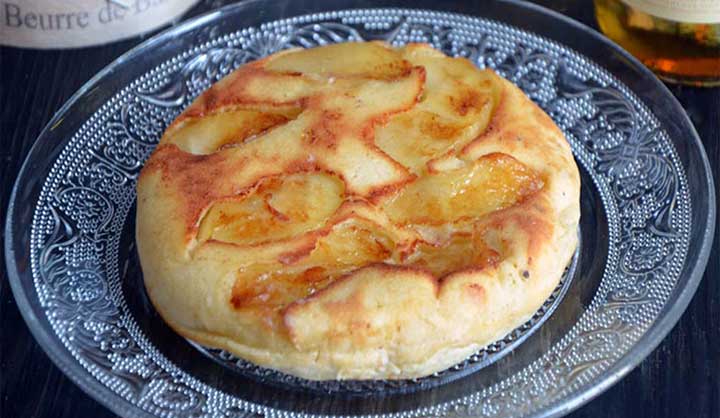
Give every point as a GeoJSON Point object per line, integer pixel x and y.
{"type": "Point", "coordinates": [647, 219]}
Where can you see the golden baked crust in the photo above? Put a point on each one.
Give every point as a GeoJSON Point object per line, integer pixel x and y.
{"type": "Point", "coordinates": [356, 211]}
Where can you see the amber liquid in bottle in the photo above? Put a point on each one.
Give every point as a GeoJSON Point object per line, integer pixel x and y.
{"type": "Point", "coordinates": [676, 51]}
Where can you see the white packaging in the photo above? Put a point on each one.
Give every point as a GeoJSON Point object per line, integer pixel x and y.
{"type": "Point", "coordinates": [78, 23]}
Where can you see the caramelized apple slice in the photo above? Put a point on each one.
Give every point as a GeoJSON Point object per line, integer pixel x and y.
{"type": "Point", "coordinates": [463, 250]}
{"type": "Point", "coordinates": [366, 59]}
{"type": "Point", "coordinates": [349, 245]}
{"type": "Point", "coordinates": [352, 243]}
{"type": "Point", "coordinates": [277, 209]}
{"type": "Point", "coordinates": [210, 133]}
{"type": "Point", "coordinates": [271, 286]}
{"type": "Point", "coordinates": [492, 183]}
{"type": "Point", "coordinates": [457, 104]}
{"type": "Point", "coordinates": [415, 137]}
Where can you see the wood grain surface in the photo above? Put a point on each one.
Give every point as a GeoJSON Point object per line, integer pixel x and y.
{"type": "Point", "coordinates": [679, 379]}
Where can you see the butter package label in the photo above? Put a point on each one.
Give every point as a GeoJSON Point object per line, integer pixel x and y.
{"type": "Point", "coordinates": [77, 23]}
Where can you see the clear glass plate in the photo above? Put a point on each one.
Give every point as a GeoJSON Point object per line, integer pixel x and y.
{"type": "Point", "coordinates": [648, 212]}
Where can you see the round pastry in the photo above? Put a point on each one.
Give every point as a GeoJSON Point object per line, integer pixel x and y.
{"type": "Point", "coordinates": [356, 211]}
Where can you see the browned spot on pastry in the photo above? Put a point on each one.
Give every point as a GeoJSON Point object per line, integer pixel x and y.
{"type": "Point", "coordinates": [532, 218]}
{"type": "Point", "coordinates": [468, 100]}
{"type": "Point", "coordinates": [376, 195]}
{"type": "Point", "coordinates": [326, 130]}
{"type": "Point", "coordinates": [539, 230]}
{"type": "Point", "coordinates": [432, 126]}
{"type": "Point", "coordinates": [193, 176]}
{"type": "Point", "coordinates": [393, 69]}
{"type": "Point", "coordinates": [477, 291]}
{"type": "Point", "coordinates": [305, 165]}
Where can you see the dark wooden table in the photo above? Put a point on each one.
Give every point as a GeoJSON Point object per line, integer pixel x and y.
{"type": "Point", "coordinates": [679, 379]}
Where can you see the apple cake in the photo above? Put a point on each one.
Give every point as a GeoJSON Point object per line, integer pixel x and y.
{"type": "Point", "coordinates": [356, 211]}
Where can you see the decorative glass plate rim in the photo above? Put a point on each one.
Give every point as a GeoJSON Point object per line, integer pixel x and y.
{"type": "Point", "coordinates": [632, 357]}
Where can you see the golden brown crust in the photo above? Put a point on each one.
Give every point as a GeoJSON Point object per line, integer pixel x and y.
{"type": "Point", "coordinates": [356, 211]}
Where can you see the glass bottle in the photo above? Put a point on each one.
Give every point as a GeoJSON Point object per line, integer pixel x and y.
{"type": "Point", "coordinates": [678, 39]}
